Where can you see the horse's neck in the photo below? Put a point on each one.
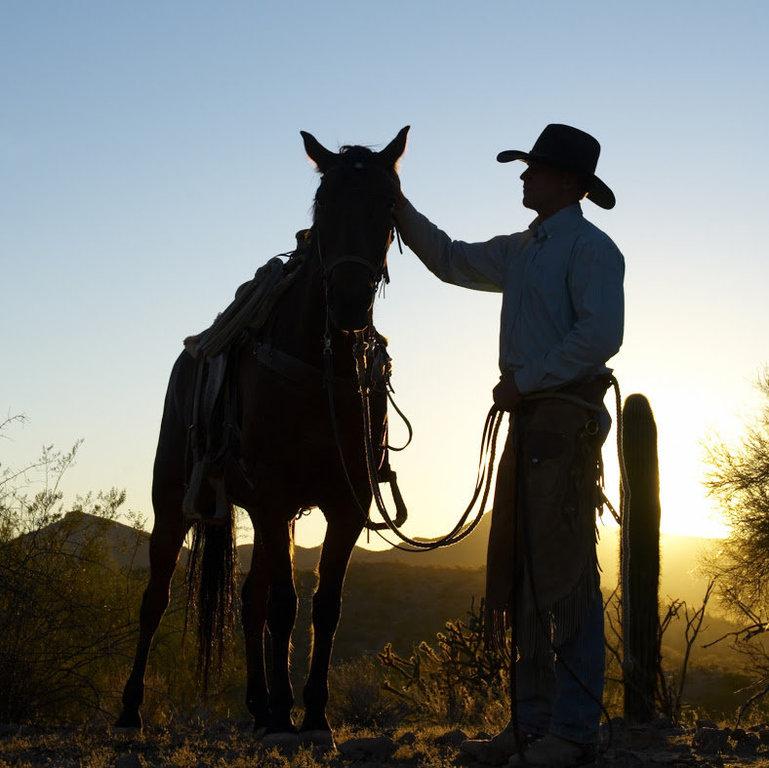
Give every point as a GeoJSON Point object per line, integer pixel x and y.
{"type": "Point", "coordinates": [300, 322]}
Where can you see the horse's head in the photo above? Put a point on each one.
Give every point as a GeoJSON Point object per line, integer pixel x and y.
{"type": "Point", "coordinates": [353, 223]}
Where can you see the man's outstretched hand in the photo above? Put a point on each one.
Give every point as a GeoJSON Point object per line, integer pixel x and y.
{"type": "Point", "coordinates": [506, 394]}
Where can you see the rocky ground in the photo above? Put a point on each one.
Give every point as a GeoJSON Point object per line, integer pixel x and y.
{"type": "Point", "coordinates": [225, 744]}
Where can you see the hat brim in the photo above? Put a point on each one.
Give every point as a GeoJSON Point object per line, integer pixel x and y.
{"type": "Point", "coordinates": [598, 192]}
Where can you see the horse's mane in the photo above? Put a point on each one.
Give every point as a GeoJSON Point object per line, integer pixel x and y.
{"type": "Point", "coordinates": [355, 152]}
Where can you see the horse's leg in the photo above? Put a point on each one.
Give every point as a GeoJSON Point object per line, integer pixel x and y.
{"type": "Point", "coordinates": [254, 616]}
{"type": "Point", "coordinates": [341, 535]}
{"type": "Point", "coordinates": [165, 543]}
{"type": "Point", "coordinates": [277, 538]}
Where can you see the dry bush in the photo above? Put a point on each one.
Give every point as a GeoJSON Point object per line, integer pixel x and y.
{"type": "Point", "coordinates": [56, 622]}
{"type": "Point", "coordinates": [358, 696]}
{"type": "Point", "coordinates": [457, 679]}
{"type": "Point", "coordinates": [68, 610]}
{"type": "Point", "coordinates": [739, 481]}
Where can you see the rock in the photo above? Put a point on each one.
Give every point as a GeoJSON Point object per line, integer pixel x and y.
{"type": "Point", "coordinates": [482, 735]}
{"type": "Point", "coordinates": [763, 735]}
{"type": "Point", "coordinates": [623, 758]}
{"type": "Point", "coordinates": [451, 738]}
{"type": "Point", "coordinates": [379, 747]}
{"type": "Point", "coordinates": [664, 758]}
{"type": "Point", "coordinates": [709, 741]}
{"type": "Point", "coordinates": [129, 760]}
{"type": "Point", "coordinates": [407, 738]}
{"type": "Point", "coordinates": [745, 743]}
{"type": "Point", "coordinates": [663, 723]}
{"type": "Point", "coordinates": [705, 723]}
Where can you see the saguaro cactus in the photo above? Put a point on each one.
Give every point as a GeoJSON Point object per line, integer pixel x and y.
{"type": "Point", "coordinates": [640, 560]}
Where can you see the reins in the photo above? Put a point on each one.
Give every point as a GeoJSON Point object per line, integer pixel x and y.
{"type": "Point", "coordinates": [485, 461]}
{"type": "Point", "coordinates": [483, 480]}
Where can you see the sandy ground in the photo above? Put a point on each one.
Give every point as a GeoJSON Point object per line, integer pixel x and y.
{"type": "Point", "coordinates": [227, 743]}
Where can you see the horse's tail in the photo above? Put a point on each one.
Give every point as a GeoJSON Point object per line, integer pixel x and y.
{"type": "Point", "coordinates": [211, 590]}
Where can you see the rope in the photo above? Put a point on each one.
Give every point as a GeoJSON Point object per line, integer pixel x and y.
{"type": "Point", "coordinates": [483, 480]}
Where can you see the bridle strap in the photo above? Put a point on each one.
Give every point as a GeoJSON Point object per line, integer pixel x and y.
{"type": "Point", "coordinates": [350, 260]}
{"type": "Point", "coordinates": [485, 463]}
{"type": "Point", "coordinates": [328, 380]}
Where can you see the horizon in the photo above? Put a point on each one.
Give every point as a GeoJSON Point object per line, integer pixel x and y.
{"type": "Point", "coordinates": [154, 163]}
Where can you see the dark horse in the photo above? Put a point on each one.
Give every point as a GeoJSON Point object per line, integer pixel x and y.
{"type": "Point", "coordinates": [288, 454]}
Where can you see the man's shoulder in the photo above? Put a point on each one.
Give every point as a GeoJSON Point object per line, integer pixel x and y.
{"type": "Point", "coordinates": [591, 237]}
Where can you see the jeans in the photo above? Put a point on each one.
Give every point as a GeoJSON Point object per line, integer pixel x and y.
{"type": "Point", "coordinates": [550, 699]}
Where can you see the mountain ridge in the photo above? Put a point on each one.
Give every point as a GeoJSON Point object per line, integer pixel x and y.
{"type": "Point", "coordinates": [680, 570]}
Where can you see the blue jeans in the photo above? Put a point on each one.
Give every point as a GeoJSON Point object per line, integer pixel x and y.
{"type": "Point", "coordinates": [550, 699]}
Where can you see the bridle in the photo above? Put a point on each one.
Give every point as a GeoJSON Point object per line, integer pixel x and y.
{"type": "Point", "coordinates": [377, 276]}
{"type": "Point", "coordinates": [361, 348]}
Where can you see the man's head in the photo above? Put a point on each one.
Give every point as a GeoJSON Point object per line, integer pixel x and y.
{"type": "Point", "coordinates": [561, 170]}
{"type": "Point", "coordinates": [547, 189]}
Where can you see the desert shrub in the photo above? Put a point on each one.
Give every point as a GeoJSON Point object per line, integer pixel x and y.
{"type": "Point", "coordinates": [358, 696]}
{"type": "Point", "coordinates": [70, 591]}
{"type": "Point", "coordinates": [739, 481]}
{"type": "Point", "coordinates": [63, 629]}
{"type": "Point", "coordinates": [69, 599]}
{"type": "Point", "coordinates": [458, 678]}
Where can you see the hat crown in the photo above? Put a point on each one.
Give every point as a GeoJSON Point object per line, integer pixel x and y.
{"type": "Point", "coordinates": [568, 148]}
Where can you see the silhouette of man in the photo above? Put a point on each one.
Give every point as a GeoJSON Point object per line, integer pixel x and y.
{"type": "Point", "coordinates": [562, 319]}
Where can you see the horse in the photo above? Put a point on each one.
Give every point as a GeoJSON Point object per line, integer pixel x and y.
{"type": "Point", "coordinates": [299, 446]}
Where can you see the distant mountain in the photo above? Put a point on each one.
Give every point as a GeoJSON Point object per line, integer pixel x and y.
{"type": "Point", "coordinates": [127, 545]}
{"type": "Point", "coordinates": [680, 559]}
{"type": "Point", "coordinates": [680, 554]}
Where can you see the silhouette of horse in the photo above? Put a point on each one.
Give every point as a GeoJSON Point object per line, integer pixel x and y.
{"type": "Point", "coordinates": [288, 451]}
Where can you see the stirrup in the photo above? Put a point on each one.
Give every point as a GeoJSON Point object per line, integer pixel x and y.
{"type": "Point", "coordinates": [388, 475]}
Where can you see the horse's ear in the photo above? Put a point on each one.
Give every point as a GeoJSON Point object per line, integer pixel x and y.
{"type": "Point", "coordinates": [321, 156]}
{"type": "Point", "coordinates": [393, 151]}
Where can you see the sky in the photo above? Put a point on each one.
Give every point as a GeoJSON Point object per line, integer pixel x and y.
{"type": "Point", "coordinates": [151, 162]}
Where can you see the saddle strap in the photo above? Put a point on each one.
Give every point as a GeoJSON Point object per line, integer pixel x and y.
{"type": "Point", "coordinates": [290, 367]}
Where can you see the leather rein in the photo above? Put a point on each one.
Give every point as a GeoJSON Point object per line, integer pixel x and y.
{"type": "Point", "coordinates": [361, 348]}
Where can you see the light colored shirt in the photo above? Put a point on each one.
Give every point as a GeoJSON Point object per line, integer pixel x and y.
{"type": "Point", "coordinates": [561, 283]}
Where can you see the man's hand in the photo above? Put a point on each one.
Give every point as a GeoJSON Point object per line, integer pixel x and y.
{"type": "Point", "coordinates": [506, 394]}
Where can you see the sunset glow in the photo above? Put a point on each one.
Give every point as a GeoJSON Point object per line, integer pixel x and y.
{"type": "Point", "coordinates": [154, 162]}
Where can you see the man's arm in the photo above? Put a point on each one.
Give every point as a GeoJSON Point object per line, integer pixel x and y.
{"type": "Point", "coordinates": [596, 290]}
{"type": "Point", "coordinates": [481, 266]}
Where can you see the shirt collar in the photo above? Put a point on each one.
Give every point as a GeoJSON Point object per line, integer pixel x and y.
{"type": "Point", "coordinates": [561, 221]}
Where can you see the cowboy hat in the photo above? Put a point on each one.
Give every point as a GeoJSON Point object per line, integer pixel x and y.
{"type": "Point", "coordinates": [571, 150]}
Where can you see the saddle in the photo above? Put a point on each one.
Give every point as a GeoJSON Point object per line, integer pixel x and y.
{"type": "Point", "coordinates": [213, 433]}
{"type": "Point", "coordinates": [213, 437]}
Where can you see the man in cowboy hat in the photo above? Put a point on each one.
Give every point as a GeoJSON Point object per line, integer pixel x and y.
{"type": "Point", "coordinates": [562, 319]}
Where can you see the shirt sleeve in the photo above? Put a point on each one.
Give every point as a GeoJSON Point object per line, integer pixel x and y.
{"type": "Point", "coordinates": [597, 294]}
{"type": "Point", "coordinates": [480, 266]}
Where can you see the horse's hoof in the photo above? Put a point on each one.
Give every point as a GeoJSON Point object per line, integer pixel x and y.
{"type": "Point", "coordinates": [323, 741]}
{"type": "Point", "coordinates": [285, 742]}
{"type": "Point", "coordinates": [129, 721]}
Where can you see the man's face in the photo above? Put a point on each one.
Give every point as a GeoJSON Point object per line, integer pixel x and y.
{"type": "Point", "coordinates": [543, 186]}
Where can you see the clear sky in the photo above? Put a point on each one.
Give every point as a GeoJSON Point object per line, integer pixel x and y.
{"type": "Point", "coordinates": [150, 161]}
